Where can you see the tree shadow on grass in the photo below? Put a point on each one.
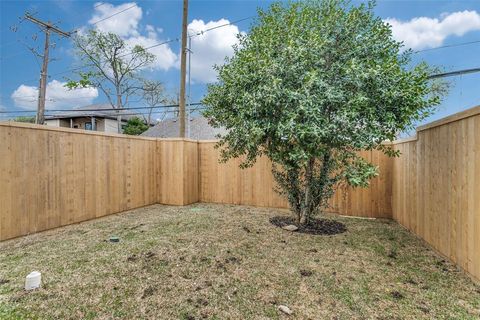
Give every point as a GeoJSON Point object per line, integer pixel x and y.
{"type": "Point", "coordinates": [316, 227]}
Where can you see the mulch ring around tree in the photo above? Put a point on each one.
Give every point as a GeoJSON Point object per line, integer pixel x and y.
{"type": "Point", "coordinates": [316, 226]}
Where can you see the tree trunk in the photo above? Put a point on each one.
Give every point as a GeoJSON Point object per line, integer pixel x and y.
{"type": "Point", "coordinates": [306, 210]}
{"type": "Point", "coordinates": [324, 174]}
{"type": "Point", "coordinates": [298, 214]}
{"type": "Point", "coordinates": [119, 122]}
{"type": "Point", "coordinates": [149, 117]}
{"type": "Point", "coordinates": [119, 116]}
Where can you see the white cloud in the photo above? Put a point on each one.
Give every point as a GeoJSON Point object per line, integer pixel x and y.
{"type": "Point", "coordinates": [422, 32]}
{"type": "Point", "coordinates": [127, 25]}
{"type": "Point", "coordinates": [210, 48]}
{"type": "Point", "coordinates": [165, 57]}
{"type": "Point", "coordinates": [123, 24]}
{"type": "Point", "coordinates": [57, 96]}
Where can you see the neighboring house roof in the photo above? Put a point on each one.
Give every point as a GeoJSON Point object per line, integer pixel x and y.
{"type": "Point", "coordinates": [199, 129]}
{"type": "Point", "coordinates": [93, 111]}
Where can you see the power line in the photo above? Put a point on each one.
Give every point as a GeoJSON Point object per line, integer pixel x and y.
{"type": "Point", "coordinates": [113, 15]}
{"type": "Point", "coordinates": [42, 90]}
{"type": "Point", "coordinates": [453, 73]}
{"type": "Point", "coordinates": [449, 46]}
{"type": "Point", "coordinates": [104, 109]}
{"type": "Point", "coordinates": [32, 113]}
{"type": "Point", "coordinates": [50, 99]}
{"type": "Point", "coordinates": [75, 30]}
{"type": "Point", "coordinates": [98, 5]}
{"type": "Point", "coordinates": [106, 18]}
{"type": "Point", "coordinates": [149, 47]}
{"type": "Point", "coordinates": [199, 33]}
{"type": "Point", "coordinates": [433, 76]}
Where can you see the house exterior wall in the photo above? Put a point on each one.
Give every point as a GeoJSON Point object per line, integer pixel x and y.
{"type": "Point", "coordinates": [101, 124]}
{"type": "Point", "coordinates": [80, 122]}
{"type": "Point", "coordinates": [53, 122]}
{"type": "Point", "coordinates": [64, 123]}
{"type": "Point", "coordinates": [111, 126]}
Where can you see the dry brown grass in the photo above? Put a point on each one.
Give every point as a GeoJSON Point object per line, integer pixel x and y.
{"type": "Point", "coordinates": [228, 262]}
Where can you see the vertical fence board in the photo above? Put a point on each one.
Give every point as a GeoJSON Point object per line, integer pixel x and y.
{"type": "Point", "coordinates": [436, 189]}
{"type": "Point", "coordinates": [53, 177]}
{"type": "Point", "coordinates": [227, 183]}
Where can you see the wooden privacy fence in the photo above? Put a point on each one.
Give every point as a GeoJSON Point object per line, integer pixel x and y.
{"type": "Point", "coordinates": [436, 187]}
{"type": "Point", "coordinates": [51, 177]}
{"type": "Point", "coordinates": [227, 183]}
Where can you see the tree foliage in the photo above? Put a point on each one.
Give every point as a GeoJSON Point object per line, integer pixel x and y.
{"type": "Point", "coordinates": [27, 119]}
{"type": "Point", "coordinates": [111, 65]}
{"type": "Point", "coordinates": [309, 86]}
{"type": "Point", "coordinates": [135, 126]}
{"type": "Point", "coordinates": [153, 94]}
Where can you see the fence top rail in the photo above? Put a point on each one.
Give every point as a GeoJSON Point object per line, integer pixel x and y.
{"type": "Point", "coordinates": [405, 140]}
{"type": "Point", "coordinates": [440, 122]}
{"type": "Point", "coordinates": [87, 132]}
{"type": "Point", "coordinates": [452, 118]}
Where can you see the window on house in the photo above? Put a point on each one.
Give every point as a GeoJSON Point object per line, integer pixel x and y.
{"type": "Point", "coordinates": [88, 126]}
{"type": "Point", "coordinates": [75, 126]}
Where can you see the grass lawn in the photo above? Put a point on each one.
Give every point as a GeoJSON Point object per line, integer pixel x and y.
{"type": "Point", "coordinates": [229, 262]}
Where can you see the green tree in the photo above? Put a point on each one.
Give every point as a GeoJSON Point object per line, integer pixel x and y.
{"type": "Point", "coordinates": [153, 93]}
{"type": "Point", "coordinates": [309, 86]}
{"type": "Point", "coordinates": [27, 119]}
{"type": "Point", "coordinates": [111, 65]}
{"type": "Point", "coordinates": [135, 126]}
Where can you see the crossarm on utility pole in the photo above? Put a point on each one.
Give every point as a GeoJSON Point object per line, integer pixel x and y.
{"type": "Point", "coordinates": [42, 90]}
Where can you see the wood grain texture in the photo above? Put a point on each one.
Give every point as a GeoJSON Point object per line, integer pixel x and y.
{"type": "Point", "coordinates": [178, 178]}
{"type": "Point", "coordinates": [436, 188]}
{"type": "Point", "coordinates": [227, 183]}
{"type": "Point", "coordinates": [52, 178]}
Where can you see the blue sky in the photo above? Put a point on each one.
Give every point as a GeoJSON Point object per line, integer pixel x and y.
{"type": "Point", "coordinates": [421, 24]}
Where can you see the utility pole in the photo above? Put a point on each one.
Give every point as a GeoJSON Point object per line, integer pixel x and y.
{"type": "Point", "coordinates": [189, 84]}
{"type": "Point", "coordinates": [42, 90]}
{"type": "Point", "coordinates": [183, 69]}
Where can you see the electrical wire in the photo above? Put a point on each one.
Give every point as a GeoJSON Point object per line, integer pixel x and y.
{"type": "Point", "coordinates": [152, 46]}
{"type": "Point", "coordinates": [453, 73]}
{"type": "Point", "coordinates": [113, 15]}
{"type": "Point", "coordinates": [99, 4]}
{"type": "Point", "coordinates": [449, 46]}
{"type": "Point", "coordinates": [76, 30]}
{"type": "Point", "coordinates": [99, 109]}
{"type": "Point", "coordinates": [32, 113]}
{"type": "Point", "coordinates": [199, 33]}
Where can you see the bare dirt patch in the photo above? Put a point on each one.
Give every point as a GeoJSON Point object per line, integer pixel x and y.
{"type": "Point", "coordinates": [316, 227]}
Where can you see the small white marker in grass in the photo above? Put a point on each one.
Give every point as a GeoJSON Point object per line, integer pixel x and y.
{"type": "Point", "coordinates": [33, 280]}
{"type": "Point", "coordinates": [285, 309]}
